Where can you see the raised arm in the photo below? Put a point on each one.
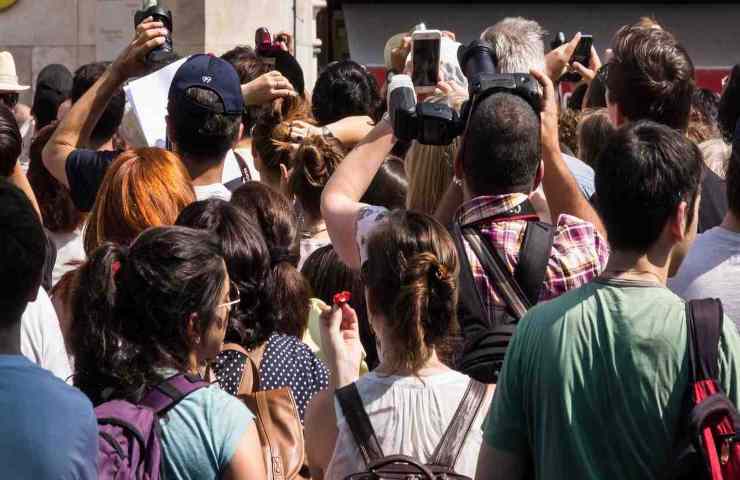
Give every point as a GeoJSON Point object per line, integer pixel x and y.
{"type": "Point", "coordinates": [75, 128]}
{"type": "Point", "coordinates": [349, 131]}
{"type": "Point", "coordinates": [561, 189]}
{"type": "Point", "coordinates": [340, 202]}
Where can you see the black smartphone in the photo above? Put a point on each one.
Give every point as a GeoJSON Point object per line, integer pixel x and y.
{"type": "Point", "coordinates": [582, 55]}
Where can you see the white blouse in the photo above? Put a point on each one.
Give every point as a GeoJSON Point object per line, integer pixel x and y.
{"type": "Point", "coordinates": [409, 416]}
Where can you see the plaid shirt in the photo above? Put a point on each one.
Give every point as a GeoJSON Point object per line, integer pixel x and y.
{"type": "Point", "coordinates": [578, 255]}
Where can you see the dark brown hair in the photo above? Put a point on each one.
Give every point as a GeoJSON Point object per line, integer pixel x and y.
{"type": "Point", "coordinates": [733, 182]}
{"type": "Point", "coordinates": [57, 209]}
{"type": "Point", "coordinates": [593, 133]}
{"type": "Point", "coordinates": [271, 133]}
{"type": "Point", "coordinates": [651, 76]}
{"type": "Point", "coordinates": [567, 125]}
{"type": "Point", "coordinates": [11, 143]}
{"type": "Point", "coordinates": [411, 278]}
{"type": "Point", "coordinates": [314, 163]}
{"type": "Point", "coordinates": [274, 214]}
{"type": "Point", "coordinates": [249, 67]}
{"type": "Point", "coordinates": [328, 275]}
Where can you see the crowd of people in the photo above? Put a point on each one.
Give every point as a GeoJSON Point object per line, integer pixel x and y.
{"type": "Point", "coordinates": [517, 299]}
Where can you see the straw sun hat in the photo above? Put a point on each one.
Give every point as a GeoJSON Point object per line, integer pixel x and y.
{"type": "Point", "coordinates": [8, 75]}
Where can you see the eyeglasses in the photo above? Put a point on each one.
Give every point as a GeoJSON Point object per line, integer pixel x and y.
{"type": "Point", "coordinates": [234, 299]}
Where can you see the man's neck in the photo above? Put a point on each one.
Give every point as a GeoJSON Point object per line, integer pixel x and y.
{"type": "Point", "coordinates": [10, 336]}
{"type": "Point", "coordinates": [204, 173]}
{"type": "Point", "coordinates": [650, 266]}
{"type": "Point", "coordinates": [731, 222]}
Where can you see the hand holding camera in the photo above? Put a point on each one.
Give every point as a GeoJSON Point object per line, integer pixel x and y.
{"type": "Point", "coordinates": [164, 53]}
{"type": "Point", "coordinates": [438, 124]}
{"type": "Point", "coordinates": [133, 60]}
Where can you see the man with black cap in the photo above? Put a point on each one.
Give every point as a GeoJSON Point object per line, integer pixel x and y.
{"type": "Point", "coordinates": [204, 112]}
{"type": "Point", "coordinates": [204, 120]}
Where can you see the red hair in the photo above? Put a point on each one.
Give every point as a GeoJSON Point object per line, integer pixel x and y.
{"type": "Point", "coordinates": [142, 188]}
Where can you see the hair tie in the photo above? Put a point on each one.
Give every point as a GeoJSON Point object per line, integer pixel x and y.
{"type": "Point", "coordinates": [115, 267]}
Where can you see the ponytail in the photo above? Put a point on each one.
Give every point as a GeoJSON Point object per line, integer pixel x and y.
{"type": "Point", "coordinates": [97, 340]}
{"type": "Point", "coordinates": [427, 293]}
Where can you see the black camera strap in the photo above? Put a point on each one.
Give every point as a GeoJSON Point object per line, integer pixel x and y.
{"type": "Point", "coordinates": [520, 289]}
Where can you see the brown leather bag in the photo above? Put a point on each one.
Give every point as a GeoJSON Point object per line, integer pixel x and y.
{"type": "Point", "coordinates": [278, 421]}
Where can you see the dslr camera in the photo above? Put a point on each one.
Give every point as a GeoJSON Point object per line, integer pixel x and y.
{"type": "Point", "coordinates": [439, 124]}
{"type": "Point", "coordinates": [163, 54]}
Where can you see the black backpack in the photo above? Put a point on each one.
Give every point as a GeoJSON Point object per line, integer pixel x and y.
{"type": "Point", "coordinates": [485, 340]}
{"type": "Point", "coordinates": [402, 467]}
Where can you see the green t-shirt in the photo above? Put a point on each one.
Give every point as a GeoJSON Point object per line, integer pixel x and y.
{"type": "Point", "coordinates": [594, 380]}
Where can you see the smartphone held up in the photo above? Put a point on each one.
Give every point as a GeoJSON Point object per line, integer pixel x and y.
{"type": "Point", "coordinates": [582, 55]}
{"type": "Point", "coordinates": [426, 47]}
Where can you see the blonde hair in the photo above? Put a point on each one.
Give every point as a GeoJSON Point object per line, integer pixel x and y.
{"type": "Point", "coordinates": [429, 171]}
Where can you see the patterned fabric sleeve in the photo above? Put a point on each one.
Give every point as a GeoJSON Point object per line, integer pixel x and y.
{"type": "Point", "coordinates": [229, 368]}
{"type": "Point", "coordinates": [368, 219]}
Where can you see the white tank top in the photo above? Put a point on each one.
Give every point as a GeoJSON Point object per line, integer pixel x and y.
{"type": "Point", "coordinates": [409, 416]}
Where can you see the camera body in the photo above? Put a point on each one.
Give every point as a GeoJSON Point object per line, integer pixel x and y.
{"type": "Point", "coordinates": [264, 45]}
{"type": "Point", "coordinates": [439, 124]}
{"type": "Point", "coordinates": [163, 54]}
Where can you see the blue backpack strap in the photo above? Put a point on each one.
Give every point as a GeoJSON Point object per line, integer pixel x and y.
{"type": "Point", "coordinates": [168, 393]}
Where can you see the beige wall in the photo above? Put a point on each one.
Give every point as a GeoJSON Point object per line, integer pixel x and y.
{"type": "Point", "coordinates": [75, 32]}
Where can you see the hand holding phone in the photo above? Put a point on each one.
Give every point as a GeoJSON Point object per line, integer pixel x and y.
{"type": "Point", "coordinates": [581, 55]}
{"type": "Point", "coordinates": [426, 45]}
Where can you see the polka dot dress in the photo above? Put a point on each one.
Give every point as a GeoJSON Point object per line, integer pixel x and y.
{"type": "Point", "coordinates": [286, 362]}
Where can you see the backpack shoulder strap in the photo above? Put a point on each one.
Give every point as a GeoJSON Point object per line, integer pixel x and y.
{"type": "Point", "coordinates": [704, 325]}
{"type": "Point", "coordinates": [470, 297]}
{"type": "Point", "coordinates": [498, 273]}
{"type": "Point", "coordinates": [359, 423]}
{"type": "Point", "coordinates": [450, 446]}
{"type": "Point", "coordinates": [243, 167]}
{"type": "Point", "coordinates": [168, 393]}
{"type": "Point", "coordinates": [534, 255]}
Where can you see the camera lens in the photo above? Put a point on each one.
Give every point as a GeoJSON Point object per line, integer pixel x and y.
{"type": "Point", "coordinates": [477, 58]}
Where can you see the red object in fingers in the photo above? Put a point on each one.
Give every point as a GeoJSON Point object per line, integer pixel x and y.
{"type": "Point", "coordinates": [342, 298]}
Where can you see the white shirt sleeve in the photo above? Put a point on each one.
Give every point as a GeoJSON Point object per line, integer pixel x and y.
{"type": "Point", "coordinates": [368, 219]}
{"type": "Point", "coordinates": [41, 337]}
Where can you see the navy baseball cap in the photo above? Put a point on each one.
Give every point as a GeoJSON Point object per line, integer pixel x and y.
{"type": "Point", "coordinates": [211, 73]}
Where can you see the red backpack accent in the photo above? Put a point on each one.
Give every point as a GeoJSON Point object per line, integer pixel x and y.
{"type": "Point", "coordinates": [711, 441]}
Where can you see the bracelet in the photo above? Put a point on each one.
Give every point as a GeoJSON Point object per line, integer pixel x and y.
{"type": "Point", "coordinates": [326, 132]}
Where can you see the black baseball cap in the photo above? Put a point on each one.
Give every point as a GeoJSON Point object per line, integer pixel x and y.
{"type": "Point", "coordinates": [211, 73]}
